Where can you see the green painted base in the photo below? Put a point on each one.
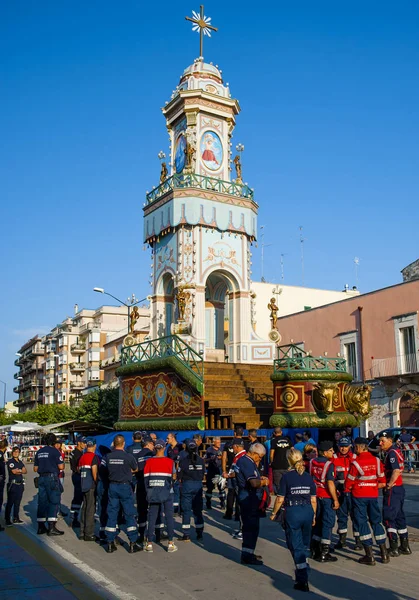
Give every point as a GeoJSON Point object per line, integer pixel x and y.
{"type": "Point", "coordinates": [162, 424]}
{"type": "Point", "coordinates": [158, 364]}
{"type": "Point", "coordinates": [302, 420]}
{"type": "Point", "coordinates": [311, 376]}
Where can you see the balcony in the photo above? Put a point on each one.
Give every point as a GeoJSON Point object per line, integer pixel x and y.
{"type": "Point", "coordinates": [395, 366]}
{"type": "Point", "coordinates": [36, 382]}
{"type": "Point", "coordinates": [77, 367]}
{"type": "Point", "coordinates": [78, 348]}
{"type": "Point", "coordinates": [77, 385]}
{"type": "Point", "coordinates": [89, 326]}
{"type": "Point", "coordinates": [36, 350]}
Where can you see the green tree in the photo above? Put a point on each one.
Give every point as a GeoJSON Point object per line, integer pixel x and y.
{"type": "Point", "coordinates": [89, 409]}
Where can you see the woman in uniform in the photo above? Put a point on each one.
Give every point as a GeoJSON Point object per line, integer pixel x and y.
{"type": "Point", "coordinates": [191, 473]}
{"type": "Point", "coordinates": [297, 493]}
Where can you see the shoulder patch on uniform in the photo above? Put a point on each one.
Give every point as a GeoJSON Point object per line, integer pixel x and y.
{"type": "Point", "coordinates": [392, 459]}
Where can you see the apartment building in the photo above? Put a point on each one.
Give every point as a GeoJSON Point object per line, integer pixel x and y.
{"type": "Point", "coordinates": [66, 364]}
{"type": "Point", "coordinates": [30, 375]}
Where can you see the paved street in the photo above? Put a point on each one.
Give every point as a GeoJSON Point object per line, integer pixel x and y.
{"type": "Point", "coordinates": [212, 568]}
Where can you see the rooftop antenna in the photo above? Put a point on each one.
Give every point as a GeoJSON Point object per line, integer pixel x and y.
{"type": "Point", "coordinates": [356, 261]}
{"type": "Point", "coordinates": [302, 239]}
{"type": "Point", "coordinates": [282, 267]}
{"type": "Point", "coordinates": [262, 256]}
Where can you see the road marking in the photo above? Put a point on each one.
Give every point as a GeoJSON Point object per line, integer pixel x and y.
{"type": "Point", "coordinates": [76, 584]}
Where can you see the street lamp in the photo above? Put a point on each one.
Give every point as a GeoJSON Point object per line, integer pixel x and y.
{"type": "Point", "coordinates": [4, 398]}
{"type": "Point", "coordinates": [131, 301]}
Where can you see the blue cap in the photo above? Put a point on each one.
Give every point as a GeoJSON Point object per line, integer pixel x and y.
{"type": "Point", "coordinates": [191, 445]}
{"type": "Point", "coordinates": [344, 441]}
{"type": "Point", "coordinates": [90, 442]}
{"type": "Point", "coordinates": [160, 443]}
{"type": "Point", "coordinates": [81, 438]}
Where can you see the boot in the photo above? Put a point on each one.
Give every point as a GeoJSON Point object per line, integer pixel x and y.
{"type": "Point", "coordinates": [342, 541]}
{"type": "Point", "coordinates": [199, 534]}
{"type": "Point", "coordinates": [385, 557]}
{"type": "Point", "coordinates": [325, 555]}
{"type": "Point", "coordinates": [42, 528]}
{"type": "Point", "coordinates": [394, 551]}
{"type": "Point", "coordinates": [315, 549]}
{"type": "Point", "coordinates": [250, 559]}
{"type": "Point", "coordinates": [368, 559]}
{"type": "Point", "coordinates": [54, 531]}
{"type": "Point", "coordinates": [134, 547]}
{"type": "Point", "coordinates": [404, 547]}
{"type": "Point", "coordinates": [184, 538]}
{"type": "Point", "coordinates": [358, 545]}
{"type": "Point", "coordinates": [111, 547]}
{"type": "Point", "coordinates": [301, 586]}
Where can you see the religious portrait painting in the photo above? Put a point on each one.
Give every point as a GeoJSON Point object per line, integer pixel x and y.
{"type": "Point", "coordinates": [211, 150]}
{"type": "Point", "coordinates": [180, 156]}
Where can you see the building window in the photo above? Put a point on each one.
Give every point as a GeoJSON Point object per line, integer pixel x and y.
{"type": "Point", "coordinates": [350, 350]}
{"type": "Point", "coordinates": [408, 348]}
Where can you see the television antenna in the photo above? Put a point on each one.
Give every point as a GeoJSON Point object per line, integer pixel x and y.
{"type": "Point", "coordinates": [262, 256]}
{"type": "Point", "coordinates": [356, 262]}
{"type": "Point", "coordinates": [302, 240]}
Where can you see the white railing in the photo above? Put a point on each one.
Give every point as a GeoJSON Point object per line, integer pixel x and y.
{"type": "Point", "coordinates": [395, 365]}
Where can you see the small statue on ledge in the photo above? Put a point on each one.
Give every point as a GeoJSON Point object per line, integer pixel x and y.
{"type": "Point", "coordinates": [272, 306]}
{"type": "Point", "coordinates": [133, 318]}
{"type": "Point", "coordinates": [238, 165]}
{"type": "Point", "coordinates": [190, 156]}
{"type": "Point", "coordinates": [164, 172]}
{"type": "Point", "coordinates": [183, 298]}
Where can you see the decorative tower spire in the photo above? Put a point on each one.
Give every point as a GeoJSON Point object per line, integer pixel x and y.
{"type": "Point", "coordinates": [202, 24]}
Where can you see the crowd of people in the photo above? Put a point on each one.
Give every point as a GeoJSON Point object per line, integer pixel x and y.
{"type": "Point", "coordinates": [141, 487]}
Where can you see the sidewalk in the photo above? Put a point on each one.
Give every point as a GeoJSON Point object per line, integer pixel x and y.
{"type": "Point", "coordinates": [29, 571]}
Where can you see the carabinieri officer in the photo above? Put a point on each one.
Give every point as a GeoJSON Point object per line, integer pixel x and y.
{"type": "Point", "coordinates": [15, 487]}
{"type": "Point", "coordinates": [48, 462]}
{"type": "Point", "coordinates": [121, 466]}
{"type": "Point", "coordinates": [297, 491]}
{"type": "Point", "coordinates": [191, 474]}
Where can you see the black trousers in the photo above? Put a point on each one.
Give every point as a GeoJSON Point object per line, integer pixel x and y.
{"type": "Point", "coordinates": [231, 499]}
{"type": "Point", "coordinates": [87, 513]}
{"type": "Point", "coordinates": [78, 494]}
{"type": "Point", "coordinates": [14, 498]}
{"type": "Point", "coordinates": [2, 482]}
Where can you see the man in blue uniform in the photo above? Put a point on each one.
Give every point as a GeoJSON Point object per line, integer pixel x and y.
{"type": "Point", "coordinates": [213, 459]}
{"type": "Point", "coordinates": [15, 487]}
{"type": "Point", "coordinates": [75, 456]}
{"type": "Point", "coordinates": [249, 482]}
{"type": "Point", "coordinates": [3, 448]}
{"type": "Point", "coordinates": [121, 466]}
{"type": "Point", "coordinates": [142, 505]}
{"type": "Point", "coordinates": [48, 462]}
{"type": "Point", "coordinates": [173, 451]}
{"type": "Point", "coordinates": [393, 496]}
{"type": "Point", "coordinates": [134, 449]}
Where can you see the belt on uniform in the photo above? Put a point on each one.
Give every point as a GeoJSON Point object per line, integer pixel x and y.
{"type": "Point", "coordinates": [297, 503]}
{"type": "Point", "coordinates": [121, 482]}
{"type": "Point", "coordinates": [48, 475]}
{"type": "Point", "coordinates": [16, 482]}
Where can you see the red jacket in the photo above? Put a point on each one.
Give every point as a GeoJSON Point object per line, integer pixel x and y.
{"type": "Point", "coordinates": [342, 464]}
{"type": "Point", "coordinates": [322, 470]}
{"type": "Point", "coordinates": [394, 460]}
{"type": "Point", "coordinates": [365, 473]}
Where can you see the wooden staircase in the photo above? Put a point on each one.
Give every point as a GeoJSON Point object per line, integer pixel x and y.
{"type": "Point", "coordinates": [237, 394]}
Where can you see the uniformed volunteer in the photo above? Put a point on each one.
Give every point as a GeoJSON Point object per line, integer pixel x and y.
{"type": "Point", "coordinates": [103, 492]}
{"type": "Point", "coordinates": [323, 472]}
{"type": "Point", "coordinates": [191, 471]}
{"type": "Point", "coordinates": [15, 486]}
{"type": "Point", "coordinates": [213, 460]}
{"type": "Point", "coordinates": [365, 478]}
{"type": "Point", "coordinates": [159, 473]}
{"type": "Point", "coordinates": [48, 462]}
{"type": "Point", "coordinates": [173, 451]}
{"type": "Point", "coordinates": [3, 448]}
{"type": "Point", "coordinates": [342, 461]}
{"type": "Point", "coordinates": [121, 466]}
{"type": "Point", "coordinates": [251, 497]}
{"type": "Point", "coordinates": [88, 468]}
{"type": "Point", "coordinates": [393, 497]}
{"type": "Point", "coordinates": [142, 505]}
{"type": "Point", "coordinates": [226, 462]}
{"type": "Point", "coordinates": [75, 456]}
{"type": "Point", "coordinates": [134, 449]}
{"type": "Point", "coordinates": [297, 492]}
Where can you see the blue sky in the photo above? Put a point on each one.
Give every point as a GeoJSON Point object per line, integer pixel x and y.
{"type": "Point", "coordinates": [330, 112]}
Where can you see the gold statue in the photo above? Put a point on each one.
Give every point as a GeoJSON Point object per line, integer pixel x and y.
{"type": "Point", "coordinates": [190, 154]}
{"type": "Point", "coordinates": [274, 312]}
{"type": "Point", "coordinates": [356, 399]}
{"type": "Point", "coordinates": [133, 318]}
{"type": "Point", "coordinates": [183, 299]}
{"type": "Point", "coordinates": [164, 172]}
{"type": "Point", "coordinates": [238, 166]}
{"type": "Point", "coordinates": [324, 396]}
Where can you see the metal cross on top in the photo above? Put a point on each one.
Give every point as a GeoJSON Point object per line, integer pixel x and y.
{"type": "Point", "coordinates": [202, 24]}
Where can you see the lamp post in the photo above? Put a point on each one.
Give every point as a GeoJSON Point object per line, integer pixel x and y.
{"type": "Point", "coordinates": [131, 301]}
{"type": "Point", "coordinates": [4, 397]}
